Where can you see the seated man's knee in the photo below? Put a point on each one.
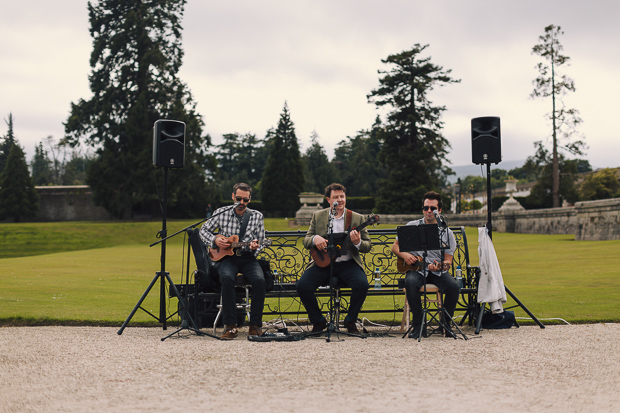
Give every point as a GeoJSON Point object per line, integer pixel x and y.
{"type": "Point", "coordinates": [413, 282]}
{"type": "Point", "coordinates": [452, 286]}
{"type": "Point", "coordinates": [259, 282]}
{"type": "Point", "coordinates": [227, 278]}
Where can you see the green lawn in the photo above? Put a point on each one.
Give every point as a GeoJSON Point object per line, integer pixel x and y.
{"type": "Point", "coordinates": [94, 273]}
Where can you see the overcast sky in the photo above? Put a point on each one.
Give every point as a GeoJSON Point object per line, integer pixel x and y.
{"type": "Point", "coordinates": [245, 58]}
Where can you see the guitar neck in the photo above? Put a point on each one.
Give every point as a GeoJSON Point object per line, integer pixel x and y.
{"type": "Point", "coordinates": [239, 244]}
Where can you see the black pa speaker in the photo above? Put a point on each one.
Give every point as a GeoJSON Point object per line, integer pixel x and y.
{"type": "Point", "coordinates": [169, 143]}
{"type": "Point", "coordinates": [486, 140]}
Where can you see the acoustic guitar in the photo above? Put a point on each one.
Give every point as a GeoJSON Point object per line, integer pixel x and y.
{"type": "Point", "coordinates": [401, 266]}
{"type": "Point", "coordinates": [321, 258]}
{"type": "Point", "coordinates": [218, 253]}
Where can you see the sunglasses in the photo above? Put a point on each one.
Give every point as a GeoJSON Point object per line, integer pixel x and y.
{"type": "Point", "coordinates": [239, 199]}
{"type": "Point", "coordinates": [432, 208]}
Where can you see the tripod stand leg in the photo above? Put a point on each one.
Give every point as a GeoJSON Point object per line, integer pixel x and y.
{"type": "Point", "coordinates": [479, 320]}
{"type": "Point", "coordinates": [447, 326]}
{"type": "Point", "coordinates": [514, 297]}
{"type": "Point", "coordinates": [146, 292]}
{"type": "Point", "coordinates": [187, 313]}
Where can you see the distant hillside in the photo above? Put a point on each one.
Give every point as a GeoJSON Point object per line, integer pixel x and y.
{"type": "Point", "coordinates": [481, 170]}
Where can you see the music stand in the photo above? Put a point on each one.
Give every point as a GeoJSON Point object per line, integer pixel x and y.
{"type": "Point", "coordinates": [425, 237]}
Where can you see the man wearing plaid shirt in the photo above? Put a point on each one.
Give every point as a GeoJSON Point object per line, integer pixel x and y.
{"type": "Point", "coordinates": [226, 222]}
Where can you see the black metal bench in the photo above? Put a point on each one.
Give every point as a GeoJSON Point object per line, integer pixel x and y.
{"type": "Point", "coordinates": [288, 259]}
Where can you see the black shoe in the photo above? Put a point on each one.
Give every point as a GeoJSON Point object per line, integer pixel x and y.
{"type": "Point", "coordinates": [351, 327]}
{"type": "Point", "coordinates": [415, 333]}
{"type": "Point", "coordinates": [448, 333]}
{"type": "Point", "coordinates": [320, 326]}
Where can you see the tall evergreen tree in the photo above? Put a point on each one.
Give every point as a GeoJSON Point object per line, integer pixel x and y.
{"type": "Point", "coordinates": [361, 153]}
{"type": "Point", "coordinates": [318, 170]}
{"type": "Point", "coordinates": [240, 158]}
{"type": "Point", "coordinates": [7, 142]}
{"type": "Point", "coordinates": [550, 84]}
{"type": "Point", "coordinates": [414, 150]}
{"type": "Point", "coordinates": [135, 61]}
{"type": "Point", "coordinates": [283, 178]}
{"type": "Point", "coordinates": [41, 166]}
{"type": "Point", "coordinates": [18, 198]}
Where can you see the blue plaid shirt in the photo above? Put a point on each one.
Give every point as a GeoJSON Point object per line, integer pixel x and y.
{"type": "Point", "coordinates": [227, 224]}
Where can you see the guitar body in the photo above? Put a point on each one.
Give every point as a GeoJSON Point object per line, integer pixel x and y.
{"type": "Point", "coordinates": [217, 253]}
{"type": "Point", "coordinates": [401, 266]}
{"type": "Point", "coordinates": [321, 258]}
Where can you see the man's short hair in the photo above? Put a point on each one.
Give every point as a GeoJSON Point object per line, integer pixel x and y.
{"type": "Point", "coordinates": [334, 187]}
{"type": "Point", "coordinates": [243, 187]}
{"type": "Point", "coordinates": [433, 195]}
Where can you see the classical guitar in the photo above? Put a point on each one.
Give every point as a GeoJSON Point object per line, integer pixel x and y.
{"type": "Point", "coordinates": [321, 258]}
{"type": "Point", "coordinates": [401, 266]}
{"type": "Point", "coordinates": [218, 253]}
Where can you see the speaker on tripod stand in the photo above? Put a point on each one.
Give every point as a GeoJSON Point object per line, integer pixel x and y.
{"type": "Point", "coordinates": [169, 143]}
{"type": "Point", "coordinates": [486, 140]}
{"type": "Point", "coordinates": [168, 152]}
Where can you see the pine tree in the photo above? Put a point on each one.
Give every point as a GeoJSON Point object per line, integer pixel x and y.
{"type": "Point", "coordinates": [18, 198]}
{"type": "Point", "coordinates": [135, 62]}
{"type": "Point", "coordinates": [318, 170]}
{"type": "Point", "coordinates": [413, 148]}
{"type": "Point", "coordinates": [361, 153]}
{"type": "Point", "coordinates": [7, 143]}
{"type": "Point", "coordinates": [41, 170]}
{"type": "Point", "coordinates": [550, 84]}
{"type": "Point", "coordinates": [283, 178]}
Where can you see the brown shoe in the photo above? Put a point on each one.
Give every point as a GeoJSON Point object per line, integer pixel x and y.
{"type": "Point", "coordinates": [320, 326]}
{"type": "Point", "coordinates": [230, 332]}
{"type": "Point", "coordinates": [351, 327]}
{"type": "Point", "coordinates": [255, 330]}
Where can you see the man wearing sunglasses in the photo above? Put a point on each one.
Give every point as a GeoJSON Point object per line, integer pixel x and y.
{"type": "Point", "coordinates": [348, 267]}
{"type": "Point", "coordinates": [248, 224]}
{"type": "Point", "coordinates": [436, 267]}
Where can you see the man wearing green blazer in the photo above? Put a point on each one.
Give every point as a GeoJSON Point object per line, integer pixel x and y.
{"type": "Point", "coordinates": [348, 267]}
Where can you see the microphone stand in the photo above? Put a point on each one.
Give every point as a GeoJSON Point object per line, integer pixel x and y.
{"type": "Point", "coordinates": [333, 249]}
{"type": "Point", "coordinates": [445, 321]}
{"type": "Point", "coordinates": [163, 274]}
{"type": "Point", "coordinates": [184, 324]}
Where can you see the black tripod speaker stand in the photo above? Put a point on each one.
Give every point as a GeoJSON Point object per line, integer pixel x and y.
{"type": "Point", "coordinates": [427, 237]}
{"type": "Point", "coordinates": [188, 323]}
{"type": "Point", "coordinates": [162, 276]}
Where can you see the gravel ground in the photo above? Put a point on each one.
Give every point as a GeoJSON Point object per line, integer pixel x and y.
{"type": "Point", "coordinates": [560, 368]}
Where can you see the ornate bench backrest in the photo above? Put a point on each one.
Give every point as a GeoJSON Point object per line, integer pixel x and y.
{"type": "Point", "coordinates": [288, 256]}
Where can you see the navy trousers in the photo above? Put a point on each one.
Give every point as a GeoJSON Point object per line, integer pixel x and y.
{"type": "Point", "coordinates": [348, 272]}
{"type": "Point", "coordinates": [447, 286]}
{"type": "Point", "coordinates": [228, 269]}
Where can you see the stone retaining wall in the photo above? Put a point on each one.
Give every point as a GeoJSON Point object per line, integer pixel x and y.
{"type": "Point", "coordinates": [68, 203]}
{"type": "Point", "coordinates": [588, 220]}
{"type": "Point", "coordinates": [598, 220]}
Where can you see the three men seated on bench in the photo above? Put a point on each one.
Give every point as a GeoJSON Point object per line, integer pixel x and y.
{"type": "Point", "coordinates": [436, 265]}
{"type": "Point", "coordinates": [248, 224]}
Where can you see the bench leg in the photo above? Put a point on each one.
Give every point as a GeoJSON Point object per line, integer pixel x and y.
{"type": "Point", "coordinates": [404, 325]}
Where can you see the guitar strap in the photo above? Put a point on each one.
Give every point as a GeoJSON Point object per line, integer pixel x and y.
{"type": "Point", "coordinates": [244, 225]}
{"type": "Point", "coordinates": [347, 220]}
